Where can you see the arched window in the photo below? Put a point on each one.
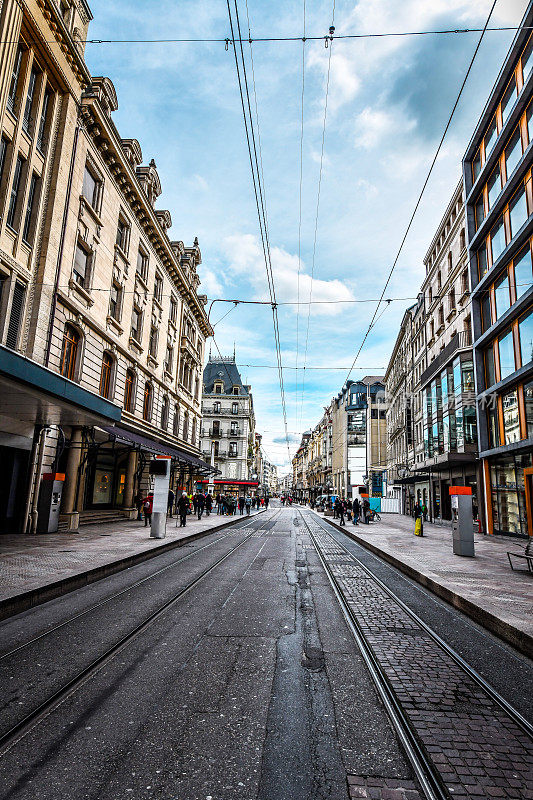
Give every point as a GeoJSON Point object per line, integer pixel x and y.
{"type": "Point", "coordinates": [69, 352]}
{"type": "Point", "coordinates": [105, 375]}
{"type": "Point", "coordinates": [164, 414]}
{"type": "Point", "coordinates": [176, 422]}
{"type": "Point", "coordinates": [462, 239]}
{"type": "Point", "coordinates": [193, 436]}
{"type": "Point", "coordinates": [430, 296]}
{"type": "Point", "coordinates": [450, 262]}
{"type": "Point", "coordinates": [185, 426]}
{"type": "Point", "coordinates": [147, 402]}
{"type": "Point", "coordinates": [129, 404]}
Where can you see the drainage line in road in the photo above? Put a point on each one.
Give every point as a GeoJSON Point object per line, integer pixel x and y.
{"type": "Point", "coordinates": [515, 715]}
{"type": "Point", "coordinates": [18, 731]}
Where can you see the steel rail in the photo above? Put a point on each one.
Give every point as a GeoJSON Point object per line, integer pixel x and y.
{"type": "Point", "coordinates": [515, 715]}
{"type": "Point", "coordinates": [101, 603]}
{"type": "Point", "coordinates": [428, 777]}
{"type": "Point", "coordinates": [25, 725]}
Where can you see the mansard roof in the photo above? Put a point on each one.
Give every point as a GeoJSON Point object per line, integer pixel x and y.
{"type": "Point", "coordinates": [223, 369]}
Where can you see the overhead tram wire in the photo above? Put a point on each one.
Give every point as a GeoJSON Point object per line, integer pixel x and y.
{"type": "Point", "coordinates": [419, 200]}
{"type": "Point", "coordinates": [300, 216]}
{"type": "Point", "coordinates": [258, 192]}
{"type": "Point", "coordinates": [331, 31]}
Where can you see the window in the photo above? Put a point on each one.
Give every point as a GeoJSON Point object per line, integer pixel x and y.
{"type": "Point", "coordinates": [105, 375]}
{"type": "Point", "coordinates": [147, 401]}
{"type": "Point", "coordinates": [185, 426]}
{"type": "Point", "coordinates": [234, 428]}
{"type": "Point", "coordinates": [522, 271]}
{"type": "Point", "coordinates": [216, 407]}
{"type": "Point", "coordinates": [527, 60]}
{"type": "Point", "coordinates": [164, 414]}
{"type": "Point", "coordinates": [218, 388]}
{"type": "Point", "coordinates": [529, 121]}
{"type": "Point", "coordinates": [457, 376]}
{"type": "Point", "coordinates": [479, 209]}
{"type": "Point", "coordinates": [490, 374]}
{"type": "Point", "coordinates": [193, 432]}
{"type": "Point", "coordinates": [470, 425]}
{"type": "Point", "coordinates": [508, 100]}
{"type": "Point", "coordinates": [142, 264]}
{"type": "Point", "coordinates": [518, 211]}
{"type": "Point", "coordinates": [152, 344]}
{"type": "Point", "coordinates": [476, 166]}
{"type": "Point", "coordinates": [482, 260]}
{"type": "Point", "coordinates": [234, 408]}
{"type": "Point", "coordinates": [115, 301]}
{"type": "Point", "coordinates": [169, 359]}
{"type": "Point", "coordinates": [13, 200]}
{"type": "Point", "coordinates": [525, 327]}
{"type": "Point", "coordinates": [439, 280]}
{"type": "Point", "coordinates": [3, 150]}
{"type": "Point", "coordinates": [158, 288]}
{"type": "Point", "coordinates": [128, 391]}
{"type": "Point", "coordinates": [486, 316]}
{"type": "Point", "coordinates": [497, 240]}
{"type": "Point", "coordinates": [216, 427]}
{"type": "Point", "coordinates": [513, 153]}
{"type": "Point", "coordinates": [494, 186]}
{"type": "Point", "coordinates": [173, 312]}
{"type": "Point", "coordinates": [511, 420]}
{"type": "Point", "coordinates": [41, 143]}
{"type": "Point", "coordinates": [136, 324]}
{"type": "Point", "coordinates": [506, 351]}
{"type": "Point", "coordinates": [233, 450]}
{"type": "Point", "coordinates": [441, 316]}
{"type": "Point", "coordinates": [27, 233]}
{"type": "Point", "coordinates": [490, 137]}
{"type": "Point", "coordinates": [122, 235]}
{"type": "Point", "coordinates": [450, 262]}
{"type": "Point", "coordinates": [14, 81]}
{"type": "Point", "coordinates": [235, 390]}
{"type": "Point", "coordinates": [462, 239]}
{"type": "Point", "coordinates": [27, 118]}
{"type": "Point", "coordinates": [528, 398]}
{"type": "Point", "coordinates": [176, 421]}
{"type": "Point", "coordinates": [451, 300]}
{"type": "Point", "coordinates": [91, 187]}
{"type": "Point", "coordinates": [502, 296]}
{"type": "Point", "coordinates": [81, 265]}
{"type": "Point", "coordinates": [430, 296]}
{"type": "Point", "coordinates": [15, 316]}
{"type": "Point", "coordinates": [494, 430]}
{"type": "Point", "coordinates": [69, 352]}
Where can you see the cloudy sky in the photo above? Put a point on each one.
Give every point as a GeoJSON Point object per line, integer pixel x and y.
{"type": "Point", "coordinates": [389, 100]}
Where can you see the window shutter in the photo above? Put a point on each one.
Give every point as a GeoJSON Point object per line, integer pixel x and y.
{"type": "Point", "coordinates": [16, 315]}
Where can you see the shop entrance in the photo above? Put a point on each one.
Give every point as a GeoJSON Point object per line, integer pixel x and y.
{"type": "Point", "coordinates": [13, 482]}
{"type": "Point", "coordinates": [107, 479]}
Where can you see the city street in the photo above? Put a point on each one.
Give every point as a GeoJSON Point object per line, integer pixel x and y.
{"type": "Point", "coordinates": [272, 660]}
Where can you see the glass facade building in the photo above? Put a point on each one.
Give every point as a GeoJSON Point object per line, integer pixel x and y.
{"type": "Point", "coordinates": [497, 172]}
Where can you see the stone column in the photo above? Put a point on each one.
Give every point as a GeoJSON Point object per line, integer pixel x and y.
{"type": "Point", "coordinates": [129, 510]}
{"type": "Point", "coordinates": [71, 479]}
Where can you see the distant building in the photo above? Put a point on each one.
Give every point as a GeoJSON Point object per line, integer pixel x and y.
{"type": "Point", "coordinates": [228, 428]}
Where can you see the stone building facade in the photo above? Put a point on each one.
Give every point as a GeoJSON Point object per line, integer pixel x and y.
{"type": "Point", "coordinates": [228, 428]}
{"type": "Point", "coordinates": [107, 304]}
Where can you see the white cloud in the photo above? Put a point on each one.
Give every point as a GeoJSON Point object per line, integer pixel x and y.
{"type": "Point", "coordinates": [245, 259]}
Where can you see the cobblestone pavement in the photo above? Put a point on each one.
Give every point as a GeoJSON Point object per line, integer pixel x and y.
{"type": "Point", "coordinates": [478, 749]}
{"type": "Point", "coordinates": [486, 581]}
{"type": "Point", "coordinates": [31, 562]}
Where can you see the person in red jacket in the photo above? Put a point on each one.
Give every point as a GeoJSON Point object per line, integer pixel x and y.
{"type": "Point", "coordinates": [148, 504]}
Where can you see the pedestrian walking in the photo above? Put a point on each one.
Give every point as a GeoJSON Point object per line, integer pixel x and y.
{"type": "Point", "coordinates": [148, 503]}
{"type": "Point", "coordinates": [195, 503]}
{"type": "Point", "coordinates": [267, 499]}
{"type": "Point", "coordinates": [138, 503]}
{"type": "Point", "coordinates": [248, 504]}
{"type": "Point", "coordinates": [356, 508]}
{"type": "Point", "coordinates": [219, 503]}
{"type": "Point", "coordinates": [341, 509]}
{"type": "Point", "coordinates": [170, 502]}
{"type": "Point", "coordinates": [183, 507]}
{"type": "Point", "coordinates": [425, 512]}
{"type": "Point", "coordinates": [208, 503]}
{"type": "Point", "coordinates": [200, 503]}
{"type": "Point", "coordinates": [419, 520]}
{"type": "Point", "coordinates": [366, 511]}
{"type": "Point", "coordinates": [241, 505]}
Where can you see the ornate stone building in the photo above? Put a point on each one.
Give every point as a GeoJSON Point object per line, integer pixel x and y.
{"type": "Point", "coordinates": [107, 303]}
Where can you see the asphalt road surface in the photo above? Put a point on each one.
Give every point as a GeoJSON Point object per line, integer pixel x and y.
{"type": "Point", "coordinates": [248, 683]}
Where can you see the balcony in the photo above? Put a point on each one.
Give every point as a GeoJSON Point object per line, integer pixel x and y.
{"type": "Point", "coordinates": [234, 432]}
{"type": "Point", "coordinates": [215, 433]}
{"type": "Point", "coordinates": [187, 344]}
{"type": "Point", "coordinates": [461, 341]}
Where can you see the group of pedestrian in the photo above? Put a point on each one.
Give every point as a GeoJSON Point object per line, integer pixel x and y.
{"type": "Point", "coordinates": [286, 500]}
{"type": "Point", "coordinates": [353, 511]}
{"type": "Point", "coordinates": [197, 504]}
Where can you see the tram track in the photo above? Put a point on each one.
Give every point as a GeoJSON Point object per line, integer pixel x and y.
{"type": "Point", "coordinates": [374, 637]}
{"type": "Point", "coordinates": [29, 721]}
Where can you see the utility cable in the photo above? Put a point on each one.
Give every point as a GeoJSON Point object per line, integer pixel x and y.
{"type": "Point", "coordinates": [300, 214]}
{"type": "Point", "coordinates": [426, 181]}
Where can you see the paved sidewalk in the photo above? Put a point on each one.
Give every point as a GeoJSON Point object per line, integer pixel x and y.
{"type": "Point", "coordinates": [34, 569]}
{"type": "Point", "coordinates": [483, 587]}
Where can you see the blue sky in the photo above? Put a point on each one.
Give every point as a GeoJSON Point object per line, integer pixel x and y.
{"type": "Point", "coordinates": [389, 100]}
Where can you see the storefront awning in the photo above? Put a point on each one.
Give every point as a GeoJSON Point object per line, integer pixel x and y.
{"type": "Point", "coordinates": [229, 482]}
{"type": "Point", "coordinates": [155, 446]}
